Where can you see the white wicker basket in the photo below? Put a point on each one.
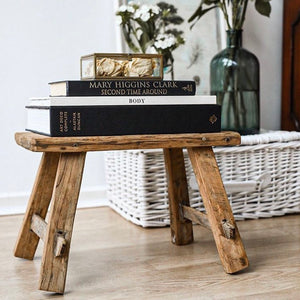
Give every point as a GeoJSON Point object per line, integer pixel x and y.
{"type": "Point", "coordinates": [261, 177]}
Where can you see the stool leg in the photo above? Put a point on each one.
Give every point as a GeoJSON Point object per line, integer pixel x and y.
{"type": "Point", "coordinates": [38, 204]}
{"type": "Point", "coordinates": [225, 231]}
{"type": "Point", "coordinates": [181, 228]}
{"type": "Point", "coordinates": [60, 224]}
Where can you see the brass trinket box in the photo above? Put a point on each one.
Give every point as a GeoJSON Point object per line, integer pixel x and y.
{"type": "Point", "coordinates": [120, 66]}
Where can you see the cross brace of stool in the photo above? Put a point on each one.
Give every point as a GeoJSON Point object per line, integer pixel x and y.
{"type": "Point", "coordinates": [58, 180]}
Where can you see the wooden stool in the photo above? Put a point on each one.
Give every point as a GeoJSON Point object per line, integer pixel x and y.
{"type": "Point", "coordinates": [59, 178]}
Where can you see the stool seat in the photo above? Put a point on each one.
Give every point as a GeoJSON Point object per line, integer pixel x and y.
{"type": "Point", "coordinates": [41, 143]}
{"type": "Point", "coordinates": [58, 181]}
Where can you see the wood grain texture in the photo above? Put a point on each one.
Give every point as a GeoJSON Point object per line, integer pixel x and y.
{"type": "Point", "coordinates": [181, 228]}
{"type": "Point", "coordinates": [195, 216]}
{"type": "Point", "coordinates": [38, 226]}
{"type": "Point", "coordinates": [231, 251]}
{"type": "Point", "coordinates": [112, 258]}
{"type": "Point", "coordinates": [38, 204]}
{"type": "Point", "coordinates": [42, 143]}
{"type": "Point", "coordinates": [60, 224]}
{"type": "Point", "coordinates": [57, 234]}
{"type": "Point", "coordinates": [61, 244]}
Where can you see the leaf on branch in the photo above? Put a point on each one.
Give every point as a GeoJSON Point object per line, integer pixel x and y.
{"type": "Point", "coordinates": [144, 39]}
{"type": "Point", "coordinates": [174, 31]}
{"type": "Point", "coordinates": [169, 7]}
{"type": "Point", "coordinates": [210, 2]}
{"type": "Point", "coordinates": [196, 13]}
{"type": "Point", "coordinates": [263, 7]}
{"type": "Point", "coordinates": [200, 13]}
{"type": "Point", "coordinates": [176, 20]}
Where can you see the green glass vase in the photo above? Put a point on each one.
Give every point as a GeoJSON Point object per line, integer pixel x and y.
{"type": "Point", "coordinates": [234, 79]}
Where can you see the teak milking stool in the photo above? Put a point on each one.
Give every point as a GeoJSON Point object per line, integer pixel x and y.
{"type": "Point", "coordinates": [59, 178]}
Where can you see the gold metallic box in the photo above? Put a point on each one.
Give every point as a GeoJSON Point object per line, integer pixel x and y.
{"type": "Point", "coordinates": [120, 66]}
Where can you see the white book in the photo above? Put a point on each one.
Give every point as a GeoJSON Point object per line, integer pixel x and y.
{"type": "Point", "coordinates": [122, 100]}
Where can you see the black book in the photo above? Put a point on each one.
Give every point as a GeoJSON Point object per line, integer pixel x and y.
{"type": "Point", "coordinates": [122, 88]}
{"type": "Point", "coordinates": [107, 120]}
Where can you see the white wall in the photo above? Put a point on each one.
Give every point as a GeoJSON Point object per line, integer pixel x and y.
{"type": "Point", "coordinates": [263, 37]}
{"type": "Point", "coordinates": [42, 41]}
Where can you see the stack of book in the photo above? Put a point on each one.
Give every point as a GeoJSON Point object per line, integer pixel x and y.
{"type": "Point", "coordinates": [122, 107]}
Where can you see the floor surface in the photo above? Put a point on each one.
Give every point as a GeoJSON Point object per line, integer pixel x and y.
{"type": "Point", "coordinates": [112, 258]}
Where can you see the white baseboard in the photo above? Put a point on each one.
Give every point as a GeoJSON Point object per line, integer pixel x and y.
{"type": "Point", "coordinates": [11, 204]}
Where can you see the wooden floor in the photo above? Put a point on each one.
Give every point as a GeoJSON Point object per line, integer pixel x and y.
{"type": "Point", "coordinates": [114, 259]}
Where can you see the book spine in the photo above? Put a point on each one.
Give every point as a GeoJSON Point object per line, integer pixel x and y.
{"type": "Point", "coordinates": [130, 88]}
{"type": "Point", "coordinates": [124, 120]}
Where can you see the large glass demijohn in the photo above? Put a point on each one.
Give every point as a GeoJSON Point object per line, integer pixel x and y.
{"type": "Point", "coordinates": [234, 79]}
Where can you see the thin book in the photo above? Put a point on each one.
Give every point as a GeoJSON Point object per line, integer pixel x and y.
{"type": "Point", "coordinates": [122, 100]}
{"type": "Point", "coordinates": [115, 88]}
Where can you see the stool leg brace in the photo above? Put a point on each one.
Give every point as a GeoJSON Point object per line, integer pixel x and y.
{"type": "Point", "coordinates": [59, 177]}
{"type": "Point", "coordinates": [219, 217]}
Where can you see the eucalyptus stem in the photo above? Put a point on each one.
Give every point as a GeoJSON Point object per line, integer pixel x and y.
{"type": "Point", "coordinates": [237, 7]}
{"type": "Point", "coordinates": [134, 33]}
{"type": "Point", "coordinates": [130, 44]}
{"type": "Point", "coordinates": [141, 45]}
{"type": "Point", "coordinates": [234, 13]}
{"type": "Point", "coordinates": [172, 65]}
{"type": "Point", "coordinates": [243, 111]}
{"type": "Point", "coordinates": [224, 9]}
{"type": "Point", "coordinates": [242, 19]}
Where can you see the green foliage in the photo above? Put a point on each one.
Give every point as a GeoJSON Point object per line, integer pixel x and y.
{"type": "Point", "coordinates": [237, 7]}
{"type": "Point", "coordinates": [200, 12]}
{"type": "Point", "coordinates": [263, 7]}
{"type": "Point", "coordinates": [149, 28]}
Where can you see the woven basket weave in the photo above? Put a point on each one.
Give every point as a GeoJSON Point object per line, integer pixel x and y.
{"type": "Point", "coordinates": [261, 178]}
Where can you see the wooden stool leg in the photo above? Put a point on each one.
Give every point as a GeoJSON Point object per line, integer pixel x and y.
{"type": "Point", "coordinates": [38, 204]}
{"type": "Point", "coordinates": [60, 225]}
{"type": "Point", "coordinates": [225, 231]}
{"type": "Point", "coordinates": [181, 228]}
